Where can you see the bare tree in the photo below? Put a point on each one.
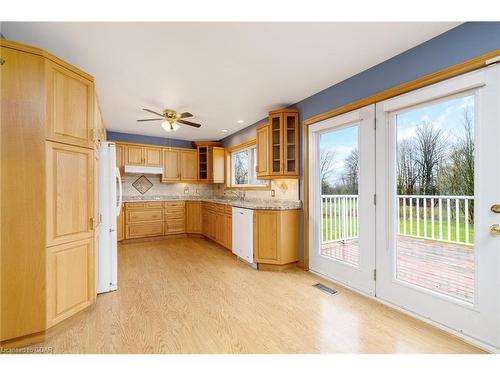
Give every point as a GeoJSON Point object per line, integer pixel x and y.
{"type": "Point", "coordinates": [350, 173]}
{"type": "Point", "coordinates": [430, 151]}
{"type": "Point", "coordinates": [327, 158]}
{"type": "Point", "coordinates": [407, 167]}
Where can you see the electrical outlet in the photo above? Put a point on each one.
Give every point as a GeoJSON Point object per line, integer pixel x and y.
{"type": "Point", "coordinates": [186, 190]}
{"type": "Point", "coordinates": [273, 193]}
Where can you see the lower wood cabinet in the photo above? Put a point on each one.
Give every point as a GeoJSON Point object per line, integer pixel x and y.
{"type": "Point", "coordinates": [276, 237]}
{"type": "Point", "coordinates": [143, 219]}
{"type": "Point", "coordinates": [175, 218]}
{"type": "Point", "coordinates": [70, 281]}
{"type": "Point", "coordinates": [144, 229]}
{"type": "Point", "coordinates": [120, 224]}
{"type": "Point", "coordinates": [193, 217]}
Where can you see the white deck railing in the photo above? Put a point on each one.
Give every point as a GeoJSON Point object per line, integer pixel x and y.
{"type": "Point", "coordinates": [435, 217]}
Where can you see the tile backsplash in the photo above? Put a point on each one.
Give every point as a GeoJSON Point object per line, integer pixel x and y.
{"type": "Point", "coordinates": [284, 189]}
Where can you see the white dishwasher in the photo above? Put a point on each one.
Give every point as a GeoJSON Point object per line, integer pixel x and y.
{"type": "Point", "coordinates": [243, 233]}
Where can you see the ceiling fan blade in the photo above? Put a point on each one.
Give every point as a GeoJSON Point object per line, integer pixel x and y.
{"type": "Point", "coordinates": [189, 123]}
{"type": "Point", "coordinates": [153, 112]}
{"type": "Point", "coordinates": [186, 115]}
{"type": "Point", "coordinates": [151, 119]}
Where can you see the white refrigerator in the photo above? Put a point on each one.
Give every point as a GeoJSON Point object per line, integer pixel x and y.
{"type": "Point", "coordinates": [110, 201]}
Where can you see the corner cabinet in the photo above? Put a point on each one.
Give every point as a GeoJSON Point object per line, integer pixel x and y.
{"type": "Point", "coordinates": [276, 238]}
{"type": "Point", "coordinates": [210, 162]}
{"type": "Point", "coordinates": [277, 145]}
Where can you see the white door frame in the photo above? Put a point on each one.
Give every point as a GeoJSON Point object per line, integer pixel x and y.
{"type": "Point", "coordinates": [480, 322]}
{"type": "Point", "coordinates": [360, 278]}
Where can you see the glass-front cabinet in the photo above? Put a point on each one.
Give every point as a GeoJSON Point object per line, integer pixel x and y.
{"type": "Point", "coordinates": [281, 147]}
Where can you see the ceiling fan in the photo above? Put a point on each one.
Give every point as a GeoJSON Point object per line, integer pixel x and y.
{"type": "Point", "coordinates": [171, 119]}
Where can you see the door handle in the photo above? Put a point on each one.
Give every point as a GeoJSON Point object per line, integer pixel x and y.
{"type": "Point", "coordinates": [495, 229]}
{"type": "Point", "coordinates": [495, 208]}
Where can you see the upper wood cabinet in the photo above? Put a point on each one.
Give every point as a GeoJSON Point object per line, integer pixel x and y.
{"type": "Point", "coordinates": [189, 165]}
{"type": "Point", "coordinates": [179, 165]}
{"type": "Point", "coordinates": [70, 106]}
{"type": "Point", "coordinates": [145, 156]}
{"type": "Point", "coordinates": [281, 142]}
{"type": "Point", "coordinates": [120, 157]}
{"type": "Point", "coordinates": [218, 164]}
{"type": "Point", "coordinates": [171, 167]}
{"type": "Point", "coordinates": [210, 162]}
{"type": "Point", "coordinates": [262, 167]}
{"type": "Point", "coordinates": [134, 155]}
{"type": "Point", "coordinates": [152, 157]}
{"type": "Point", "coordinates": [70, 193]}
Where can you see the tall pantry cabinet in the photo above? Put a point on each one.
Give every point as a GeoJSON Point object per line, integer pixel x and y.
{"type": "Point", "coordinates": [48, 192]}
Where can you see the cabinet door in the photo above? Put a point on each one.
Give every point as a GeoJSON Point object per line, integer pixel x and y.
{"type": "Point", "coordinates": [70, 279]}
{"type": "Point", "coordinates": [262, 167]}
{"type": "Point", "coordinates": [218, 164]}
{"type": "Point", "coordinates": [152, 156]}
{"type": "Point", "coordinates": [189, 165]}
{"type": "Point", "coordinates": [228, 228]}
{"type": "Point", "coordinates": [266, 231]}
{"type": "Point", "coordinates": [70, 193]}
{"type": "Point", "coordinates": [171, 170]}
{"type": "Point", "coordinates": [120, 224]}
{"type": "Point", "coordinates": [220, 233]}
{"type": "Point", "coordinates": [290, 143]}
{"type": "Point", "coordinates": [134, 155]}
{"type": "Point", "coordinates": [193, 217]}
{"type": "Point", "coordinates": [144, 229]}
{"type": "Point", "coordinates": [70, 107]}
{"type": "Point", "coordinates": [275, 144]}
{"type": "Point", "coordinates": [120, 157]}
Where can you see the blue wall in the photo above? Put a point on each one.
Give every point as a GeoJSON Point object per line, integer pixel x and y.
{"type": "Point", "coordinates": [457, 45]}
{"type": "Point", "coordinates": [135, 138]}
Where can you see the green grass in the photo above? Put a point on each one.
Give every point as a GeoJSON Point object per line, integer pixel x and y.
{"type": "Point", "coordinates": [419, 224]}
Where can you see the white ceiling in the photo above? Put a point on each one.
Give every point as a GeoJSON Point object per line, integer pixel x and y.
{"type": "Point", "coordinates": [220, 72]}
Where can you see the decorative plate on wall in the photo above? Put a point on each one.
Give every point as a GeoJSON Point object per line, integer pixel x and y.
{"type": "Point", "coordinates": [142, 184]}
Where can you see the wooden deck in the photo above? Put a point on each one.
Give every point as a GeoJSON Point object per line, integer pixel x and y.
{"type": "Point", "coordinates": [438, 266]}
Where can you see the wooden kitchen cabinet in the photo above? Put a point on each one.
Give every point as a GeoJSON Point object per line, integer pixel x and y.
{"type": "Point", "coordinates": [48, 126]}
{"type": "Point", "coordinates": [189, 165]}
{"type": "Point", "coordinates": [134, 155]}
{"type": "Point", "coordinates": [70, 285]}
{"type": "Point", "coordinates": [120, 224]}
{"type": "Point", "coordinates": [175, 218]}
{"type": "Point", "coordinates": [171, 167]}
{"type": "Point", "coordinates": [143, 219]}
{"type": "Point", "coordinates": [276, 238]}
{"type": "Point", "coordinates": [193, 217]}
{"type": "Point", "coordinates": [70, 193]}
{"type": "Point", "coordinates": [152, 157]}
{"type": "Point", "coordinates": [280, 136]}
{"type": "Point", "coordinates": [120, 157]}
{"type": "Point", "coordinates": [262, 137]}
{"type": "Point", "coordinates": [70, 106]}
{"type": "Point", "coordinates": [210, 162]}
{"type": "Point", "coordinates": [179, 165]}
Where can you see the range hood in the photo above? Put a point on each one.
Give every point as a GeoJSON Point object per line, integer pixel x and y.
{"type": "Point", "coordinates": [143, 170]}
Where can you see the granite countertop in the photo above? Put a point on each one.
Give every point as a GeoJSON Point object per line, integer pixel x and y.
{"type": "Point", "coordinates": [252, 204]}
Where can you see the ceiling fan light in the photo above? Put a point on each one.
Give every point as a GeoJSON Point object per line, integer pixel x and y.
{"type": "Point", "coordinates": [175, 126]}
{"type": "Point", "coordinates": [166, 126]}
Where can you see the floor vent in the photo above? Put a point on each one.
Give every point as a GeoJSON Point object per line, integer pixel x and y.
{"type": "Point", "coordinates": [325, 289]}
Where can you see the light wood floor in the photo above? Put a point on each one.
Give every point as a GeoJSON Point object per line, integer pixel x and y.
{"type": "Point", "coordinates": [191, 296]}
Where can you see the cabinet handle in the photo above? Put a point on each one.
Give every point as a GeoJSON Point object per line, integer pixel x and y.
{"type": "Point", "coordinates": [2, 61]}
{"type": "Point", "coordinates": [91, 223]}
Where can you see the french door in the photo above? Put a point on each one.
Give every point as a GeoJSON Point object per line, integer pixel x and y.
{"type": "Point", "coordinates": [342, 187]}
{"type": "Point", "coordinates": [438, 179]}
{"type": "Point", "coordinates": [432, 168]}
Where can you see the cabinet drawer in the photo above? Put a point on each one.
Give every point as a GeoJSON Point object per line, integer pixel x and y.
{"type": "Point", "coordinates": [135, 205]}
{"type": "Point", "coordinates": [154, 204]}
{"type": "Point", "coordinates": [228, 209]}
{"type": "Point", "coordinates": [144, 215]}
{"type": "Point", "coordinates": [173, 226]}
{"type": "Point", "coordinates": [148, 229]}
{"type": "Point", "coordinates": [174, 205]}
{"type": "Point", "coordinates": [219, 207]}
